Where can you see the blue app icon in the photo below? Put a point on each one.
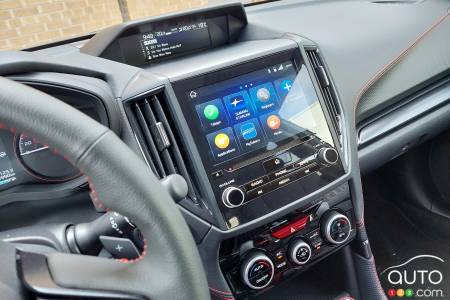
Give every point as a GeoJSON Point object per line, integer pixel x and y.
{"type": "Point", "coordinates": [239, 106]}
{"type": "Point", "coordinates": [286, 86]}
{"type": "Point", "coordinates": [250, 135]}
{"type": "Point", "coordinates": [248, 130]}
{"type": "Point", "coordinates": [237, 102]}
{"type": "Point", "coordinates": [264, 97]}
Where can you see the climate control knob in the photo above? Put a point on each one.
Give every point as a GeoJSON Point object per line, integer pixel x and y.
{"type": "Point", "coordinates": [327, 156]}
{"type": "Point", "coordinates": [233, 197]}
{"type": "Point", "coordinates": [335, 227]}
{"type": "Point", "coordinates": [257, 270]}
{"type": "Point", "coordinates": [299, 252]}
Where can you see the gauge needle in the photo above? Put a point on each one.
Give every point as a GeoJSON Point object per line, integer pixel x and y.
{"type": "Point", "coordinates": [33, 151]}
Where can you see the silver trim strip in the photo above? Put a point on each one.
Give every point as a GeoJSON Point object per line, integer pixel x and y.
{"type": "Point", "coordinates": [422, 105]}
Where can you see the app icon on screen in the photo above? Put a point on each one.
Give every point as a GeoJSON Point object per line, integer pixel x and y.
{"type": "Point", "coordinates": [273, 122]}
{"type": "Point", "coordinates": [273, 126]}
{"type": "Point", "coordinates": [222, 141]}
{"type": "Point", "coordinates": [286, 85]}
{"type": "Point", "coordinates": [211, 112]}
{"type": "Point", "coordinates": [237, 102]}
{"type": "Point", "coordinates": [223, 144]}
{"type": "Point", "coordinates": [250, 135]}
{"type": "Point", "coordinates": [263, 94]}
{"type": "Point", "coordinates": [264, 97]}
{"type": "Point", "coordinates": [239, 106]}
{"type": "Point", "coordinates": [248, 130]}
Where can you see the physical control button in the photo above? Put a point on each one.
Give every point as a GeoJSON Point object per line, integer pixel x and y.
{"type": "Point", "coordinates": [327, 156]}
{"type": "Point", "coordinates": [290, 228]}
{"type": "Point", "coordinates": [299, 252]}
{"type": "Point", "coordinates": [335, 227]}
{"type": "Point", "coordinates": [257, 270]}
{"type": "Point", "coordinates": [119, 247]}
{"type": "Point", "coordinates": [233, 197]}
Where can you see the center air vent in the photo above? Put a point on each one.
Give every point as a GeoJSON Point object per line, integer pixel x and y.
{"type": "Point", "coordinates": [153, 125]}
{"type": "Point", "coordinates": [328, 92]}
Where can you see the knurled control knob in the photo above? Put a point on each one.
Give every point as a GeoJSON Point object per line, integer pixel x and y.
{"type": "Point", "coordinates": [257, 270]}
{"type": "Point", "coordinates": [299, 252]}
{"type": "Point", "coordinates": [335, 227]}
{"type": "Point", "coordinates": [327, 156]}
{"type": "Point", "coordinates": [233, 197]}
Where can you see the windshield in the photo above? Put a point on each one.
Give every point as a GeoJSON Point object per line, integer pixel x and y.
{"type": "Point", "coordinates": [29, 23]}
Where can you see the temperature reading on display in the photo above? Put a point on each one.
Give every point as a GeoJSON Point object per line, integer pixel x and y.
{"type": "Point", "coordinates": [170, 41]}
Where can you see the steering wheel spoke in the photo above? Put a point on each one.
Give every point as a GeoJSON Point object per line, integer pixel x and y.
{"type": "Point", "coordinates": [170, 267]}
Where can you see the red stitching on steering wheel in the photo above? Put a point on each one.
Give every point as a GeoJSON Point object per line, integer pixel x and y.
{"type": "Point", "coordinates": [94, 198]}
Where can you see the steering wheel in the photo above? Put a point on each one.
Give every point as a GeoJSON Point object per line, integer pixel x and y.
{"type": "Point", "coordinates": [170, 266]}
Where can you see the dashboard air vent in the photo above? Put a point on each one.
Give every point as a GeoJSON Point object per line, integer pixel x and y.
{"type": "Point", "coordinates": [152, 123]}
{"type": "Point", "coordinates": [328, 92]}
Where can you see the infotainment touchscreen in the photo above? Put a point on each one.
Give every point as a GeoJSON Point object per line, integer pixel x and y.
{"type": "Point", "coordinates": [255, 113]}
{"type": "Point", "coordinates": [260, 127]}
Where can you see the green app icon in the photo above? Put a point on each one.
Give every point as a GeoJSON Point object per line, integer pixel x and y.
{"type": "Point", "coordinates": [211, 112]}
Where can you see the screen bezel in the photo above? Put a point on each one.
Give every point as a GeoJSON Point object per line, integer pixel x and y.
{"type": "Point", "coordinates": [183, 86]}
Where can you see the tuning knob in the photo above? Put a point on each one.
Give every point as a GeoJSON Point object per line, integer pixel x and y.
{"type": "Point", "coordinates": [233, 197]}
{"type": "Point", "coordinates": [335, 227]}
{"type": "Point", "coordinates": [257, 270]}
{"type": "Point", "coordinates": [299, 252]}
{"type": "Point", "coordinates": [327, 156]}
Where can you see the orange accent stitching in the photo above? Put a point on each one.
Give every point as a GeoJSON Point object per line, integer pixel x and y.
{"type": "Point", "coordinates": [388, 67]}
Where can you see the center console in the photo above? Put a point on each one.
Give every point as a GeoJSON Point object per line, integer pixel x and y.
{"type": "Point", "coordinates": [266, 141]}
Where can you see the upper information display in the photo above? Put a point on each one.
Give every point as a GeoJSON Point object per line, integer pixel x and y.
{"type": "Point", "coordinates": [166, 42]}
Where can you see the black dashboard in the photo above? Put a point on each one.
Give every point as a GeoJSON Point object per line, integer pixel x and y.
{"type": "Point", "coordinates": [267, 124]}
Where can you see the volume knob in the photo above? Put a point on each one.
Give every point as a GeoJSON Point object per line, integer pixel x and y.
{"type": "Point", "coordinates": [233, 197]}
{"type": "Point", "coordinates": [327, 156]}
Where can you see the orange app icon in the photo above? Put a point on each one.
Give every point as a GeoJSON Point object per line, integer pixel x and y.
{"type": "Point", "coordinates": [273, 122]}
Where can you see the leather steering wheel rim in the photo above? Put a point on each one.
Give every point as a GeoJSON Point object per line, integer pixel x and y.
{"type": "Point", "coordinates": [170, 267]}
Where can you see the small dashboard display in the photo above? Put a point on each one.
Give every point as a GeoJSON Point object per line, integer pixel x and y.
{"type": "Point", "coordinates": [256, 112]}
{"type": "Point", "coordinates": [7, 173]}
{"type": "Point", "coordinates": [171, 41]}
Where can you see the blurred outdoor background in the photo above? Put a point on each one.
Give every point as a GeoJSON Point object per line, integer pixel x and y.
{"type": "Point", "coordinates": [27, 23]}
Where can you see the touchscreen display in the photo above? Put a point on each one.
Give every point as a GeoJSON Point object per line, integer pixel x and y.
{"type": "Point", "coordinates": [256, 113]}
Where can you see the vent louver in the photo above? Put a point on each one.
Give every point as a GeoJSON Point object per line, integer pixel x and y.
{"type": "Point", "coordinates": [152, 122]}
{"type": "Point", "coordinates": [328, 92]}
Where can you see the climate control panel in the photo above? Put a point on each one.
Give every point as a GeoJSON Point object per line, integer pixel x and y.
{"type": "Point", "coordinates": [269, 254]}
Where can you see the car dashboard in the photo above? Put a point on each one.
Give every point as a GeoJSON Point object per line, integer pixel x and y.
{"type": "Point", "coordinates": [268, 125]}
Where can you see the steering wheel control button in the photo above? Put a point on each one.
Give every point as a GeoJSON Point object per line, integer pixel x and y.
{"type": "Point", "coordinates": [299, 252]}
{"type": "Point", "coordinates": [257, 271]}
{"type": "Point", "coordinates": [119, 247]}
{"type": "Point", "coordinates": [233, 197]}
{"type": "Point", "coordinates": [291, 228]}
{"type": "Point", "coordinates": [327, 156]}
{"type": "Point", "coordinates": [336, 227]}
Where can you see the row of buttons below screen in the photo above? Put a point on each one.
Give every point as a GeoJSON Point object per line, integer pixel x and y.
{"type": "Point", "coordinates": [240, 106]}
{"type": "Point", "coordinates": [250, 136]}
